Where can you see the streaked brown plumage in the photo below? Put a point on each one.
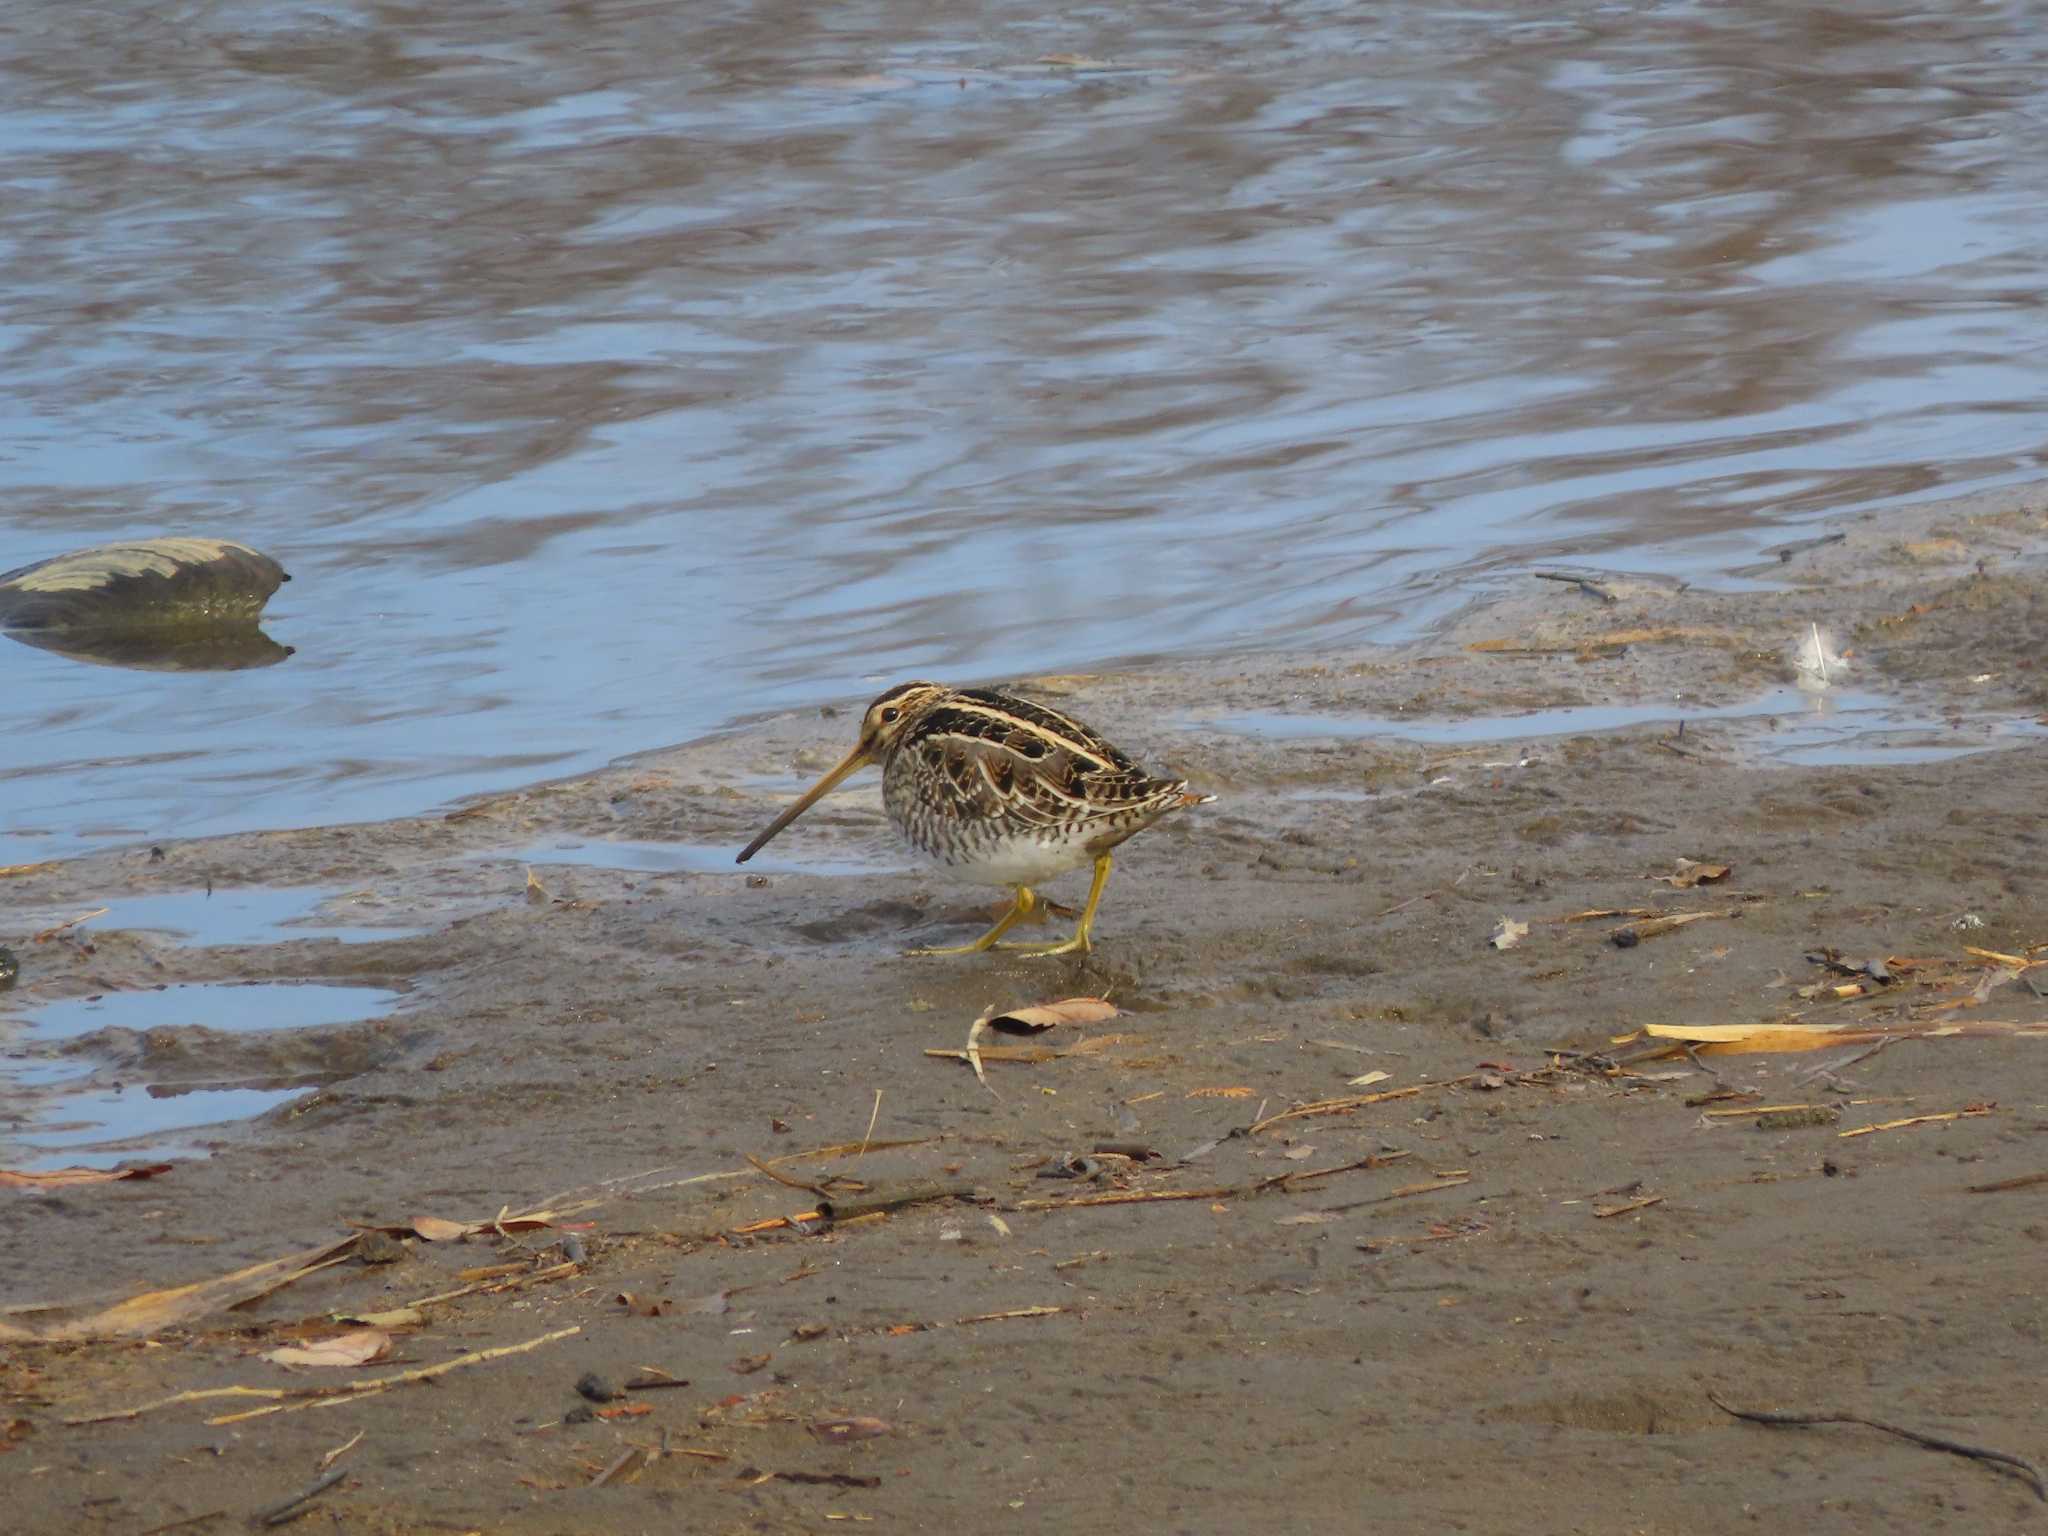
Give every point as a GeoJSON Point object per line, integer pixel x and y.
{"type": "Point", "coordinates": [1000, 791]}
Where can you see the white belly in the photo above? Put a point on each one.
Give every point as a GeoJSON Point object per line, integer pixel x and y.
{"type": "Point", "coordinates": [1017, 861]}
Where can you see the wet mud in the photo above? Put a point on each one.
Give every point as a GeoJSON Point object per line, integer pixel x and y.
{"type": "Point", "coordinates": [1502, 1313]}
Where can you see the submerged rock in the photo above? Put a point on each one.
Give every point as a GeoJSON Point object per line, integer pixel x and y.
{"type": "Point", "coordinates": [150, 584]}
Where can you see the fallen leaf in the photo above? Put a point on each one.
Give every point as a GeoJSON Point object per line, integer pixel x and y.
{"type": "Point", "coordinates": [746, 1365]}
{"type": "Point", "coordinates": [805, 1332]}
{"type": "Point", "coordinates": [624, 1411]}
{"type": "Point", "coordinates": [436, 1229]}
{"type": "Point", "coordinates": [358, 1347]}
{"type": "Point", "coordinates": [1296, 1154]}
{"type": "Point", "coordinates": [1690, 874]}
{"type": "Point", "coordinates": [61, 1176]}
{"type": "Point", "coordinates": [1368, 1079]}
{"type": "Point", "coordinates": [845, 1431]}
{"type": "Point", "coordinates": [1219, 1093]}
{"type": "Point", "coordinates": [1508, 934]}
{"type": "Point", "coordinates": [1044, 1016]}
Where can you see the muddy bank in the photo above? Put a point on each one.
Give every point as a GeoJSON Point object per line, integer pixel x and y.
{"type": "Point", "coordinates": [1477, 1325]}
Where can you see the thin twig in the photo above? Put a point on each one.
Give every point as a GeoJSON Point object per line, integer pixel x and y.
{"type": "Point", "coordinates": [286, 1509]}
{"type": "Point", "coordinates": [340, 1451]}
{"type": "Point", "coordinates": [1830, 1069]}
{"type": "Point", "coordinates": [2026, 1469]}
{"type": "Point", "coordinates": [872, 1118]}
{"type": "Point", "coordinates": [344, 1390]}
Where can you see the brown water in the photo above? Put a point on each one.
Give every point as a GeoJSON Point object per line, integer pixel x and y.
{"type": "Point", "coordinates": [607, 371]}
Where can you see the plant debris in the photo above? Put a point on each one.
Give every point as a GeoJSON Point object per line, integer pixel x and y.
{"type": "Point", "coordinates": [61, 1177]}
{"type": "Point", "coordinates": [359, 1346]}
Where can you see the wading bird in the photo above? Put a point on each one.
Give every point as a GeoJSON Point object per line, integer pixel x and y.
{"type": "Point", "coordinates": [999, 791]}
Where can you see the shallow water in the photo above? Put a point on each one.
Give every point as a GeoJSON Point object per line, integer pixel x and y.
{"type": "Point", "coordinates": [103, 1128]}
{"type": "Point", "coordinates": [240, 1006]}
{"type": "Point", "coordinates": [700, 859]}
{"type": "Point", "coordinates": [605, 374]}
{"type": "Point", "coordinates": [1842, 727]}
{"type": "Point", "coordinates": [245, 915]}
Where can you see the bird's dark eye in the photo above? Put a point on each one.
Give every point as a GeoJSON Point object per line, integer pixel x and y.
{"type": "Point", "coordinates": [891, 715]}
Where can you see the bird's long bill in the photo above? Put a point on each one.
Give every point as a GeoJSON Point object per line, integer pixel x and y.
{"type": "Point", "coordinates": [855, 759]}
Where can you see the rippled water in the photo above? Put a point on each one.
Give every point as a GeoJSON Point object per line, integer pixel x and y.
{"type": "Point", "coordinates": [605, 372]}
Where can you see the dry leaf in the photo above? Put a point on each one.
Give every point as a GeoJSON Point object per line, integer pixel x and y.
{"type": "Point", "coordinates": [1219, 1093]}
{"type": "Point", "coordinates": [646, 1306]}
{"type": "Point", "coordinates": [155, 1311]}
{"type": "Point", "coordinates": [746, 1365]}
{"type": "Point", "coordinates": [624, 1411]}
{"type": "Point", "coordinates": [1044, 1016]}
{"type": "Point", "coordinates": [61, 1176]}
{"type": "Point", "coordinates": [1508, 934]}
{"type": "Point", "coordinates": [1296, 1154]}
{"type": "Point", "coordinates": [358, 1347]}
{"type": "Point", "coordinates": [1368, 1079]}
{"type": "Point", "coordinates": [437, 1230]}
{"type": "Point", "coordinates": [1691, 874]}
{"type": "Point", "coordinates": [844, 1431]}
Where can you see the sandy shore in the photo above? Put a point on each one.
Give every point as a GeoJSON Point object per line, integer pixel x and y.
{"type": "Point", "coordinates": [1503, 1314]}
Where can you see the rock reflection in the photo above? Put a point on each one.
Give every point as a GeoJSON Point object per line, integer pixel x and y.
{"type": "Point", "coordinates": [224, 650]}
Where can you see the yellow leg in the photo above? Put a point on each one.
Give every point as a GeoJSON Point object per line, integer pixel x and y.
{"type": "Point", "coordinates": [1080, 939]}
{"type": "Point", "coordinates": [1019, 910]}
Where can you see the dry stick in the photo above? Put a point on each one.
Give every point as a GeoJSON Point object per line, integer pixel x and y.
{"type": "Point", "coordinates": [286, 1509]}
{"type": "Point", "coordinates": [783, 1178]}
{"type": "Point", "coordinates": [1602, 1213]}
{"type": "Point", "coordinates": [179, 1525]}
{"type": "Point", "coordinates": [2024, 1181]}
{"type": "Point", "coordinates": [344, 1390]}
{"type": "Point", "coordinates": [888, 1198]}
{"type": "Point", "coordinates": [1403, 1193]}
{"type": "Point", "coordinates": [2026, 1469]}
{"type": "Point", "coordinates": [493, 1288]}
{"type": "Point", "coordinates": [616, 1467]}
{"type": "Point", "coordinates": [1129, 1197]}
{"type": "Point", "coordinates": [1377, 1160]}
{"type": "Point", "coordinates": [1350, 1102]}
